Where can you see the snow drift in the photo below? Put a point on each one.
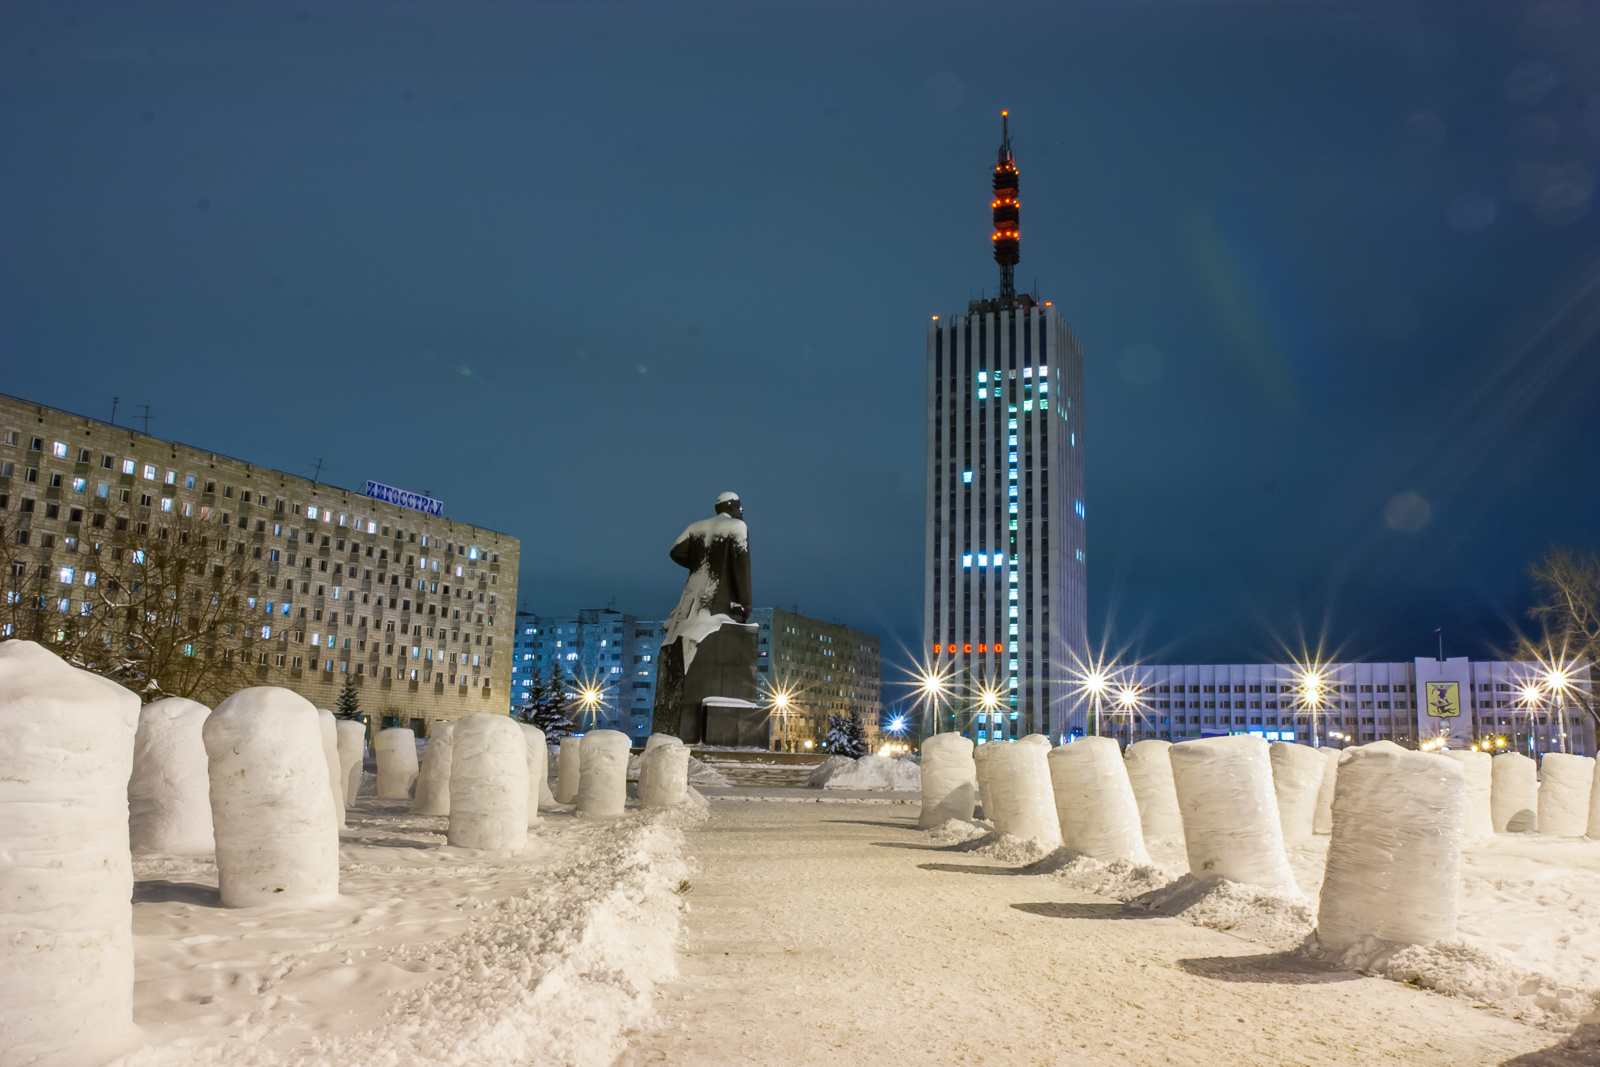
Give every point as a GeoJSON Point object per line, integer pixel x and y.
{"type": "Point", "coordinates": [1514, 793]}
{"type": "Point", "coordinates": [538, 767]}
{"type": "Point", "coordinates": [1296, 780]}
{"type": "Point", "coordinates": [352, 754]}
{"type": "Point", "coordinates": [1564, 783]}
{"type": "Point", "coordinates": [1150, 775]}
{"type": "Point", "coordinates": [868, 772]}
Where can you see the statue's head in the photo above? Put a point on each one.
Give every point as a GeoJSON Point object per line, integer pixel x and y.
{"type": "Point", "coordinates": [728, 504]}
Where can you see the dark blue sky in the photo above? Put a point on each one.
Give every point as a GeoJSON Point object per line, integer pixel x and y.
{"type": "Point", "coordinates": [576, 268]}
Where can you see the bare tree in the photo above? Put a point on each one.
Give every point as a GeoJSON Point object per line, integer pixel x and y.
{"type": "Point", "coordinates": [162, 604]}
{"type": "Point", "coordinates": [1568, 613]}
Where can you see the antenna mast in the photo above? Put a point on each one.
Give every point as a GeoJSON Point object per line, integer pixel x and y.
{"type": "Point", "coordinates": [1007, 241]}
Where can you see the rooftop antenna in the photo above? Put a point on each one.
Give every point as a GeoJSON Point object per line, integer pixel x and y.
{"type": "Point", "coordinates": [147, 420]}
{"type": "Point", "coordinates": [1007, 242]}
{"type": "Point", "coordinates": [317, 475]}
{"type": "Point", "coordinates": [114, 409]}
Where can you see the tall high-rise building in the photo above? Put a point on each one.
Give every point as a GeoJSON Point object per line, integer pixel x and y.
{"type": "Point", "coordinates": [1005, 597]}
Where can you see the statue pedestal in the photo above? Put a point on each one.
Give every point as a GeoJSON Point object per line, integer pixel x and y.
{"type": "Point", "coordinates": [719, 692]}
{"type": "Point", "coordinates": [734, 723]}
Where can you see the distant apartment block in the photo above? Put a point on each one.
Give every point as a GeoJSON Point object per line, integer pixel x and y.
{"type": "Point", "coordinates": [415, 607]}
{"type": "Point", "coordinates": [825, 668]}
{"type": "Point", "coordinates": [611, 651]}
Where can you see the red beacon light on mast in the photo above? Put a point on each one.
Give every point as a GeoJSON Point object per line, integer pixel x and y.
{"type": "Point", "coordinates": [1007, 240]}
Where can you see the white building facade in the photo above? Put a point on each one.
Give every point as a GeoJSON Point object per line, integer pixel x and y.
{"type": "Point", "coordinates": [1498, 705]}
{"type": "Point", "coordinates": [1005, 596]}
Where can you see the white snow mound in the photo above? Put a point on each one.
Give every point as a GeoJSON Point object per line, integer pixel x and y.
{"type": "Point", "coordinates": [868, 772]}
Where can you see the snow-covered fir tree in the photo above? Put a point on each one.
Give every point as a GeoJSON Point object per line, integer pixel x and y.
{"type": "Point", "coordinates": [349, 704]}
{"type": "Point", "coordinates": [846, 736]}
{"type": "Point", "coordinates": [548, 704]}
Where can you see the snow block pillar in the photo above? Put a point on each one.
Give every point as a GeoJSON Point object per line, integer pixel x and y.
{"type": "Point", "coordinates": [433, 780]}
{"type": "Point", "coordinates": [169, 795]}
{"type": "Point", "coordinates": [277, 841]}
{"type": "Point", "coordinates": [330, 754]}
{"type": "Point", "coordinates": [1322, 821]}
{"type": "Point", "coordinates": [603, 775]}
{"type": "Point", "coordinates": [1477, 823]}
{"type": "Point", "coordinates": [1230, 813]}
{"type": "Point", "coordinates": [489, 785]}
{"type": "Point", "coordinates": [664, 775]}
{"type": "Point", "coordinates": [949, 780]}
{"type": "Point", "coordinates": [1019, 799]}
{"type": "Point", "coordinates": [1514, 793]}
{"type": "Point", "coordinates": [1392, 861]}
{"type": "Point", "coordinates": [396, 751]}
{"type": "Point", "coordinates": [538, 768]}
{"type": "Point", "coordinates": [1564, 783]}
{"type": "Point", "coordinates": [567, 769]}
{"type": "Point", "coordinates": [352, 753]}
{"type": "Point", "coordinates": [1150, 774]}
{"type": "Point", "coordinates": [1095, 804]}
{"type": "Point", "coordinates": [1296, 779]}
{"type": "Point", "coordinates": [66, 875]}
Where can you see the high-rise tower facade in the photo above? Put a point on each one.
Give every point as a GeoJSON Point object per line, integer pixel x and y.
{"type": "Point", "coordinates": [1005, 599]}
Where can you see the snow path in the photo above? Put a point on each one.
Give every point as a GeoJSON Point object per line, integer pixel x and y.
{"type": "Point", "coordinates": [834, 933]}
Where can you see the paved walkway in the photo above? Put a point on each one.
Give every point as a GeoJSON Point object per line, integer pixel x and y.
{"type": "Point", "coordinates": [833, 934]}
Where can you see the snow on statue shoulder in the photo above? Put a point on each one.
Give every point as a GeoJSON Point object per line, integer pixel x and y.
{"type": "Point", "coordinates": [709, 647]}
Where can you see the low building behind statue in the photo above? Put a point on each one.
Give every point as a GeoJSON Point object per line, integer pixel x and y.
{"type": "Point", "coordinates": [706, 688]}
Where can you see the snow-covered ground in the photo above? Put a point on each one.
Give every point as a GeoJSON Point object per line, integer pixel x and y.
{"type": "Point", "coordinates": [430, 955]}
{"type": "Point", "coordinates": [839, 933]}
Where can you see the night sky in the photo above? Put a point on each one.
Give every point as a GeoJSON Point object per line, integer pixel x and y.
{"type": "Point", "coordinates": [576, 268]}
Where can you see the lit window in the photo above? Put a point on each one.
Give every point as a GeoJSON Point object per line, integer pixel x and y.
{"type": "Point", "coordinates": [1013, 456]}
{"type": "Point", "coordinates": [150, 472]}
{"type": "Point", "coordinates": [983, 394]}
{"type": "Point", "coordinates": [1012, 441]}
{"type": "Point", "coordinates": [983, 376]}
{"type": "Point", "coordinates": [1027, 405]}
{"type": "Point", "coordinates": [1044, 387]}
{"type": "Point", "coordinates": [1043, 371]}
{"type": "Point", "coordinates": [1011, 424]}
{"type": "Point", "coordinates": [90, 577]}
{"type": "Point", "coordinates": [66, 575]}
{"type": "Point", "coordinates": [172, 477]}
{"type": "Point", "coordinates": [1027, 372]}
{"type": "Point", "coordinates": [1077, 506]}
{"type": "Point", "coordinates": [166, 503]}
{"type": "Point", "coordinates": [983, 560]}
{"type": "Point", "coordinates": [59, 450]}
{"type": "Point", "coordinates": [78, 484]}
{"type": "Point", "coordinates": [127, 466]}
{"type": "Point", "coordinates": [966, 561]}
{"type": "Point", "coordinates": [311, 512]}
{"type": "Point", "coordinates": [966, 476]}
{"type": "Point", "coordinates": [1013, 491]}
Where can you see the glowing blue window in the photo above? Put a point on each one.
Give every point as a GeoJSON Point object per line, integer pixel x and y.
{"type": "Point", "coordinates": [1043, 371]}
{"type": "Point", "coordinates": [1044, 405]}
{"type": "Point", "coordinates": [1027, 405]}
{"type": "Point", "coordinates": [983, 376]}
{"type": "Point", "coordinates": [1013, 511]}
{"type": "Point", "coordinates": [966, 476]}
{"type": "Point", "coordinates": [966, 561]}
{"type": "Point", "coordinates": [1077, 506]}
{"type": "Point", "coordinates": [1013, 457]}
{"type": "Point", "coordinates": [1073, 439]}
{"type": "Point", "coordinates": [1044, 387]}
{"type": "Point", "coordinates": [983, 394]}
{"type": "Point", "coordinates": [1013, 490]}
{"type": "Point", "coordinates": [1012, 441]}
{"type": "Point", "coordinates": [1011, 424]}
{"type": "Point", "coordinates": [999, 559]}
{"type": "Point", "coordinates": [1027, 372]}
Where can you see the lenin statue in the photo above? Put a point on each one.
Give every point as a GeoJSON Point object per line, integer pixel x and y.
{"type": "Point", "coordinates": [706, 672]}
